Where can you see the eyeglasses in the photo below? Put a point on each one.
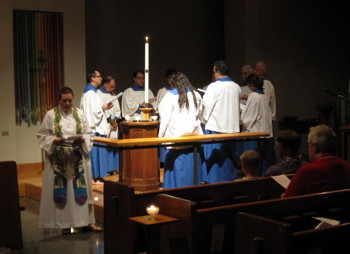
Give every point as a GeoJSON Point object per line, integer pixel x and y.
{"type": "Point", "coordinates": [98, 76]}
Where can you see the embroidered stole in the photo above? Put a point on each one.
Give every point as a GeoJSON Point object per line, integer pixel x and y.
{"type": "Point", "coordinates": [68, 156]}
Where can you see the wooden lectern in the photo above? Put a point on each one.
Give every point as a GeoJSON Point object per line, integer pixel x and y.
{"type": "Point", "coordinates": [140, 166]}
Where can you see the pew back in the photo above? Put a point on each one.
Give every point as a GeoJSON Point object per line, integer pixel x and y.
{"type": "Point", "coordinates": [10, 218]}
{"type": "Point", "coordinates": [212, 230]}
{"type": "Point", "coordinates": [121, 202]}
{"type": "Point", "coordinates": [288, 226]}
{"type": "Point", "coordinates": [257, 234]}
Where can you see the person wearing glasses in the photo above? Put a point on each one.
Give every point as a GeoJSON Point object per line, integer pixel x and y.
{"type": "Point", "coordinates": [95, 113]}
{"type": "Point", "coordinates": [134, 96]}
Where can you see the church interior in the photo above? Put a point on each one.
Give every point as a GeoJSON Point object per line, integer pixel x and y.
{"type": "Point", "coordinates": [304, 43]}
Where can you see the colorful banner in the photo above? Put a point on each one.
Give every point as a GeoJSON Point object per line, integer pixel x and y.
{"type": "Point", "coordinates": [38, 58]}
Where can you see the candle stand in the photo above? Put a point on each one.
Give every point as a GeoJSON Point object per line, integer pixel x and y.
{"type": "Point", "coordinates": [146, 113]}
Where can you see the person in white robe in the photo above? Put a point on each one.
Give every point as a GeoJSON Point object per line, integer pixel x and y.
{"type": "Point", "coordinates": [261, 70]}
{"type": "Point", "coordinates": [134, 97]}
{"type": "Point", "coordinates": [245, 91]}
{"type": "Point", "coordinates": [113, 115]}
{"type": "Point", "coordinates": [95, 114]}
{"type": "Point", "coordinates": [179, 115]}
{"type": "Point", "coordinates": [107, 94]}
{"type": "Point", "coordinates": [160, 94]}
{"type": "Point", "coordinates": [256, 117]}
{"type": "Point", "coordinates": [220, 115]}
{"type": "Point", "coordinates": [66, 196]}
{"type": "Point", "coordinates": [269, 89]}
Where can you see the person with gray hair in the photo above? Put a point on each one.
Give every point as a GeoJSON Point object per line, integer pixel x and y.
{"type": "Point", "coordinates": [325, 172]}
{"type": "Point", "coordinates": [261, 70]}
{"type": "Point", "coordinates": [245, 91]}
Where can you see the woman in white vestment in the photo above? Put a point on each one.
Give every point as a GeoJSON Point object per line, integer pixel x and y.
{"type": "Point", "coordinates": [66, 196]}
{"type": "Point", "coordinates": [256, 117]}
{"type": "Point", "coordinates": [179, 115]}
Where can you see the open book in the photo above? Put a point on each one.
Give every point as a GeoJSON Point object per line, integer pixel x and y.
{"type": "Point", "coordinates": [72, 137]}
{"type": "Point", "coordinates": [116, 97]}
{"type": "Point", "coordinates": [283, 180]}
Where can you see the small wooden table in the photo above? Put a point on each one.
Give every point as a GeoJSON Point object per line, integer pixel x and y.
{"type": "Point", "coordinates": [153, 229]}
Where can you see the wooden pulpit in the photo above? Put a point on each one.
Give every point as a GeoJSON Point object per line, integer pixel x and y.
{"type": "Point", "coordinates": [140, 166]}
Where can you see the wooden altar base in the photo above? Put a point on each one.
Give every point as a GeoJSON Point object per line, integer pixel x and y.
{"type": "Point", "coordinates": [140, 167]}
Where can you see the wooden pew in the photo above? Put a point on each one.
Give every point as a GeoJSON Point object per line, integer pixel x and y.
{"type": "Point", "coordinates": [216, 229]}
{"type": "Point", "coordinates": [10, 218]}
{"type": "Point", "coordinates": [288, 226]}
{"type": "Point", "coordinates": [121, 202]}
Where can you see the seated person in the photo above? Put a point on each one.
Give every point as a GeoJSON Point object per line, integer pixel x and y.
{"type": "Point", "coordinates": [251, 164]}
{"type": "Point", "coordinates": [286, 146]}
{"type": "Point", "coordinates": [325, 172]}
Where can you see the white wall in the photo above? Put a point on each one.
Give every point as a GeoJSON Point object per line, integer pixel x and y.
{"type": "Point", "coordinates": [21, 143]}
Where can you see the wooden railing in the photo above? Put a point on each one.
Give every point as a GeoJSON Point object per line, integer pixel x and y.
{"type": "Point", "coordinates": [192, 139]}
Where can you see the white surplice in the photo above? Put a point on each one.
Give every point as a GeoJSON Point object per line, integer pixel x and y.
{"type": "Point", "coordinates": [160, 94]}
{"type": "Point", "coordinates": [113, 112]}
{"type": "Point", "coordinates": [221, 106]}
{"type": "Point", "coordinates": [256, 116]}
{"type": "Point", "coordinates": [71, 214]}
{"type": "Point", "coordinates": [175, 122]}
{"type": "Point", "coordinates": [91, 105]}
{"type": "Point", "coordinates": [132, 99]}
{"type": "Point", "coordinates": [269, 91]}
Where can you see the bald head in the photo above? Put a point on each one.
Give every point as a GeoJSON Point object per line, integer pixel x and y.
{"type": "Point", "coordinates": [261, 69]}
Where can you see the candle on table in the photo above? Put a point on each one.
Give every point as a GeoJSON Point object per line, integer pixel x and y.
{"type": "Point", "coordinates": [146, 70]}
{"type": "Point", "coordinates": [152, 210]}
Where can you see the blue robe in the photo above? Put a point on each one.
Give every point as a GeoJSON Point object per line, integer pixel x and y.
{"type": "Point", "coordinates": [178, 168]}
{"type": "Point", "coordinates": [218, 161]}
{"type": "Point", "coordinates": [103, 160]}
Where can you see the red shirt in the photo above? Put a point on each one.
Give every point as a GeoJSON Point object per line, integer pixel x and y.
{"type": "Point", "coordinates": [327, 173]}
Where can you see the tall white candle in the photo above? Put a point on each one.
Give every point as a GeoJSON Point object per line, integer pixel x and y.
{"type": "Point", "coordinates": [146, 69]}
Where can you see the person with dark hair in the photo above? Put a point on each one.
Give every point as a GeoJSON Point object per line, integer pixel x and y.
{"type": "Point", "coordinates": [220, 115]}
{"type": "Point", "coordinates": [325, 171]}
{"type": "Point", "coordinates": [134, 96]}
{"type": "Point", "coordinates": [286, 146]}
{"type": "Point", "coordinates": [66, 197]}
{"type": "Point", "coordinates": [179, 115]}
{"type": "Point", "coordinates": [95, 113]}
{"type": "Point", "coordinates": [105, 92]}
{"type": "Point", "coordinates": [256, 116]}
{"type": "Point", "coordinates": [161, 92]}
